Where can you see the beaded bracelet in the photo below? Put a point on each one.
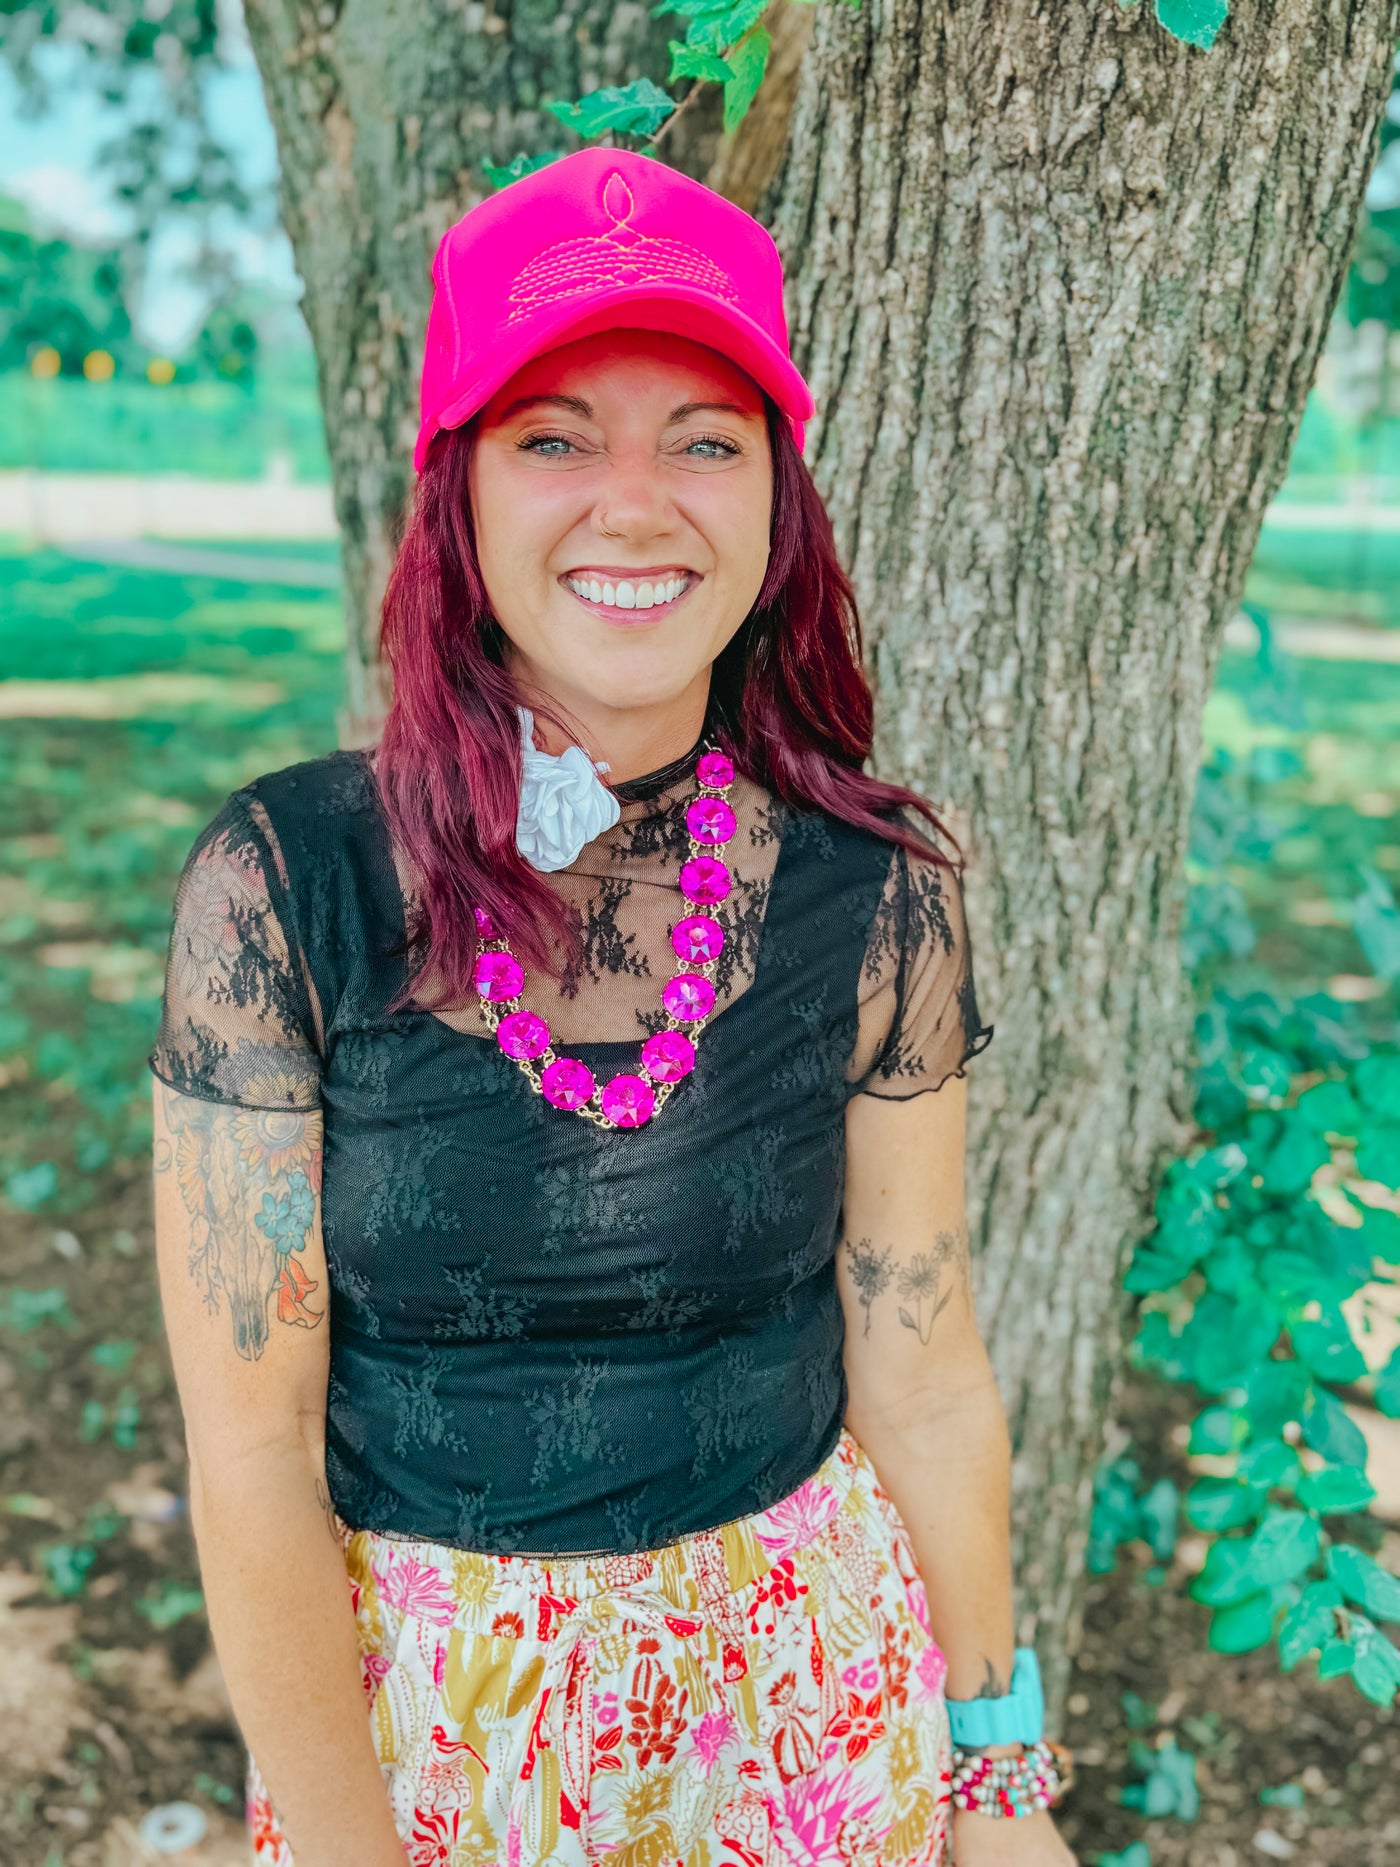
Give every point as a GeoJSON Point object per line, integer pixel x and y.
{"type": "Point", "coordinates": [1010, 1785]}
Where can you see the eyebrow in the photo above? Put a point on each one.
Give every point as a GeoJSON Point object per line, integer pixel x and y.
{"type": "Point", "coordinates": [579, 406]}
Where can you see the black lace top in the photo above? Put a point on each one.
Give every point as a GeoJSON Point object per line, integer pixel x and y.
{"type": "Point", "coordinates": [547, 1336]}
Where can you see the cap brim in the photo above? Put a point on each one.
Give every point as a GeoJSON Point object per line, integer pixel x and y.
{"type": "Point", "coordinates": [682, 310]}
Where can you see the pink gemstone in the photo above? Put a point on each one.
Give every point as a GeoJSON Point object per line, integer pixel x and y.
{"type": "Point", "coordinates": [668, 1056]}
{"type": "Point", "coordinates": [714, 768]}
{"type": "Point", "coordinates": [566, 1082]}
{"type": "Point", "coordinates": [485, 926]}
{"type": "Point", "coordinates": [522, 1034]}
{"type": "Point", "coordinates": [710, 820]}
{"type": "Point", "coordinates": [688, 996]}
{"type": "Point", "coordinates": [704, 878]}
{"type": "Point", "coordinates": [628, 1101]}
{"type": "Point", "coordinates": [497, 975]}
{"type": "Point", "coordinates": [697, 937]}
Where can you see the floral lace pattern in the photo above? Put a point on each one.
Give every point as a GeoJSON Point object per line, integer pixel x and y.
{"type": "Point", "coordinates": [546, 1336]}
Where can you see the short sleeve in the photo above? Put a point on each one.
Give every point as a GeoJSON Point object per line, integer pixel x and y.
{"type": "Point", "coordinates": [919, 1022]}
{"type": "Point", "coordinates": [239, 1023]}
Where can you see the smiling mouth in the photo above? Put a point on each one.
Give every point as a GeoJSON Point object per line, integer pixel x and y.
{"type": "Point", "coordinates": [631, 600]}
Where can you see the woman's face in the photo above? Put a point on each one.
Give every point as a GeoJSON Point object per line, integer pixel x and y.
{"type": "Point", "coordinates": [661, 442]}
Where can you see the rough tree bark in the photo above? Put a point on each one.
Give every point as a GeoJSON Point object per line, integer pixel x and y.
{"type": "Point", "coordinates": [1061, 287]}
{"type": "Point", "coordinates": [1059, 284]}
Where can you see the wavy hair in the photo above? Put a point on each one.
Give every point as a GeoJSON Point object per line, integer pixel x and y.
{"type": "Point", "coordinates": [789, 703]}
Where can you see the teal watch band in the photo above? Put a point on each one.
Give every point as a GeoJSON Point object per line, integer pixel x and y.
{"type": "Point", "coordinates": [1018, 1717]}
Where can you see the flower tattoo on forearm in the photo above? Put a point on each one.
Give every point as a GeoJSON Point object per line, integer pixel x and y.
{"type": "Point", "coordinates": [917, 1283]}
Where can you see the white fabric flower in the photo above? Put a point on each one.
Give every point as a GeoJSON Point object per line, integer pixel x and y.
{"type": "Point", "coordinates": [563, 802]}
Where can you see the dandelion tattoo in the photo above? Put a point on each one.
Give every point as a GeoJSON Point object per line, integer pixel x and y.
{"type": "Point", "coordinates": [248, 1179]}
{"type": "Point", "coordinates": [870, 1271]}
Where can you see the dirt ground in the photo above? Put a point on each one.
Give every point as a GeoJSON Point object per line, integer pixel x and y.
{"type": "Point", "coordinates": [111, 1701]}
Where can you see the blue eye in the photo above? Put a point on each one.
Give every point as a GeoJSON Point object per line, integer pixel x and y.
{"type": "Point", "coordinates": [536, 444]}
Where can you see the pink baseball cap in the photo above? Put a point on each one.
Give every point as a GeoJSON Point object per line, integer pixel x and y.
{"type": "Point", "coordinates": [601, 240]}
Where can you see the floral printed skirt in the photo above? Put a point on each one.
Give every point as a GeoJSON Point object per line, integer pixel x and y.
{"type": "Point", "coordinates": [764, 1694]}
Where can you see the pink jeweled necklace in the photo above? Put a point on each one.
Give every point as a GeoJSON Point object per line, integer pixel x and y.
{"type": "Point", "coordinates": [627, 1101]}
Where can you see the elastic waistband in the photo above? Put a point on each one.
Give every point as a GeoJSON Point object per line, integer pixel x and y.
{"type": "Point", "coordinates": [726, 1560]}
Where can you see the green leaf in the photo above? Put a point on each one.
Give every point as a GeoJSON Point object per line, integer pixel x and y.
{"type": "Point", "coordinates": [1334, 1489]}
{"type": "Point", "coordinates": [747, 61]}
{"type": "Point", "coordinates": [1337, 1657]}
{"type": "Point", "coordinates": [31, 1186]}
{"type": "Point", "coordinates": [1380, 1232]}
{"type": "Point", "coordinates": [1158, 1512]}
{"type": "Point", "coordinates": [1378, 1153]}
{"type": "Point", "coordinates": [1170, 1788]}
{"type": "Point", "coordinates": [1195, 21]}
{"type": "Point", "coordinates": [1330, 1108]}
{"type": "Point", "coordinates": [1388, 1388]}
{"type": "Point", "coordinates": [1268, 1463]}
{"type": "Point", "coordinates": [1275, 1393]}
{"type": "Point", "coordinates": [1326, 1347]}
{"type": "Point", "coordinates": [1376, 1080]}
{"type": "Point", "coordinates": [640, 107]}
{"type": "Point", "coordinates": [1223, 1503]}
{"type": "Point", "coordinates": [1243, 1626]}
{"type": "Point", "coordinates": [1376, 1668]}
{"type": "Point", "coordinates": [66, 1567]}
{"type": "Point", "coordinates": [1285, 1796]}
{"type": "Point", "coordinates": [113, 1355]}
{"type": "Point", "coordinates": [690, 61]}
{"type": "Point", "coordinates": [1217, 1431]}
{"type": "Point", "coordinates": [1225, 1576]}
{"type": "Point", "coordinates": [1285, 1543]}
{"type": "Point", "coordinates": [1296, 1155]}
{"type": "Point", "coordinates": [1364, 1581]}
{"type": "Point", "coordinates": [1330, 1430]}
{"type": "Point", "coordinates": [1135, 1854]}
{"type": "Point", "coordinates": [23, 1310]}
{"type": "Point", "coordinates": [717, 29]}
{"type": "Point", "coordinates": [1311, 1620]}
{"type": "Point", "coordinates": [501, 177]}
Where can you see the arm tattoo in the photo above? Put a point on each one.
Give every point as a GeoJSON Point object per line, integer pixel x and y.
{"type": "Point", "coordinates": [916, 1283]}
{"type": "Point", "coordinates": [246, 1178]}
{"type": "Point", "coordinates": [323, 1498]}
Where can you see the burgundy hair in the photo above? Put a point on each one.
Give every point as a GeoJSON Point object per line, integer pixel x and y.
{"type": "Point", "coordinates": [789, 703]}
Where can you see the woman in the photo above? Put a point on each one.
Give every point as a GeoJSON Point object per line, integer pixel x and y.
{"type": "Point", "coordinates": [623, 1356]}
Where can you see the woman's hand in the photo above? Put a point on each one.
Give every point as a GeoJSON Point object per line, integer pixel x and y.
{"type": "Point", "coordinates": [1008, 1840]}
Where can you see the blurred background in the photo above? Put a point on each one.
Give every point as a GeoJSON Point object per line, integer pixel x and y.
{"type": "Point", "coordinates": [170, 626]}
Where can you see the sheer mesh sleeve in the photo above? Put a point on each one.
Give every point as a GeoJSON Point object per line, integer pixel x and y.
{"type": "Point", "coordinates": [239, 1022]}
{"type": "Point", "coordinates": [919, 1022]}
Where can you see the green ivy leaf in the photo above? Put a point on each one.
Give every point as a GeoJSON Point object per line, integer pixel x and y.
{"type": "Point", "coordinates": [1268, 1462]}
{"type": "Point", "coordinates": [1376, 1080]}
{"type": "Point", "coordinates": [1336, 1657]}
{"type": "Point", "coordinates": [1275, 1393]}
{"type": "Point", "coordinates": [1376, 1668]}
{"type": "Point", "coordinates": [1195, 21]}
{"type": "Point", "coordinates": [1311, 1620]}
{"type": "Point", "coordinates": [1223, 1503]}
{"type": "Point", "coordinates": [689, 61]}
{"type": "Point", "coordinates": [1325, 1345]}
{"type": "Point", "coordinates": [1364, 1581]}
{"type": "Point", "coordinates": [1170, 1788]}
{"type": "Point", "coordinates": [640, 108]}
{"type": "Point", "coordinates": [501, 177]}
{"type": "Point", "coordinates": [31, 1186]}
{"type": "Point", "coordinates": [748, 61]}
{"type": "Point", "coordinates": [1297, 1153]}
{"type": "Point", "coordinates": [1217, 1431]}
{"type": "Point", "coordinates": [1244, 1626]}
{"type": "Point", "coordinates": [1225, 1576]}
{"type": "Point", "coordinates": [1334, 1489]}
{"type": "Point", "coordinates": [718, 29]}
{"type": "Point", "coordinates": [1388, 1388]}
{"type": "Point", "coordinates": [1330, 1430]}
{"type": "Point", "coordinates": [1285, 1544]}
{"type": "Point", "coordinates": [1330, 1108]}
{"type": "Point", "coordinates": [1380, 1233]}
{"type": "Point", "coordinates": [1378, 1153]}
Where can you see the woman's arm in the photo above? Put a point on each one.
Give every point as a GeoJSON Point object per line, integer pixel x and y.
{"type": "Point", "coordinates": [243, 1287]}
{"type": "Point", "coordinates": [923, 1402]}
{"type": "Point", "coordinates": [922, 1397]}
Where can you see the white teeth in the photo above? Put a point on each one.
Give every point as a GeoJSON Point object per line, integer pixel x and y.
{"type": "Point", "coordinates": [625, 595]}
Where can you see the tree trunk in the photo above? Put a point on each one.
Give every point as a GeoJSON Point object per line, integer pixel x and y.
{"type": "Point", "coordinates": [1059, 283]}
{"type": "Point", "coordinates": [1061, 286]}
{"type": "Point", "coordinates": [384, 114]}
